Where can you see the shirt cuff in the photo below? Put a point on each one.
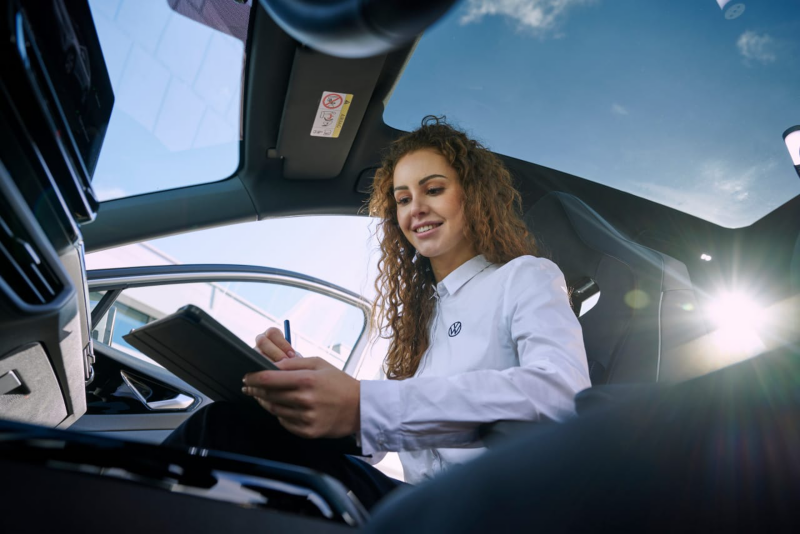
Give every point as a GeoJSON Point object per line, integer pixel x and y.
{"type": "Point", "coordinates": [380, 415]}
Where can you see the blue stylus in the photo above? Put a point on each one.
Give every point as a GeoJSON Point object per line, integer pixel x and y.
{"type": "Point", "coordinates": [287, 331]}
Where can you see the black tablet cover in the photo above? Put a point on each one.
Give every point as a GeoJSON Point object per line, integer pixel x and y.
{"type": "Point", "coordinates": [199, 350]}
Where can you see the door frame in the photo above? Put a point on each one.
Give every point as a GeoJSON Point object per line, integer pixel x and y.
{"type": "Point", "coordinates": [131, 277]}
{"type": "Point", "coordinates": [129, 426]}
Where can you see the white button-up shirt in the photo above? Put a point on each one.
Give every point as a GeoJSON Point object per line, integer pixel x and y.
{"type": "Point", "coordinates": [505, 345]}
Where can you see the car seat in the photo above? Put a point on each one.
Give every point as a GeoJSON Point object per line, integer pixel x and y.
{"type": "Point", "coordinates": [646, 325]}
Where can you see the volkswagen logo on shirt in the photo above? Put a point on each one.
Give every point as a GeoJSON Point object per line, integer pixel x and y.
{"type": "Point", "coordinates": [454, 329]}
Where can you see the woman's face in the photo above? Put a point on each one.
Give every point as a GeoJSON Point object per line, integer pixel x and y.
{"type": "Point", "coordinates": [430, 209]}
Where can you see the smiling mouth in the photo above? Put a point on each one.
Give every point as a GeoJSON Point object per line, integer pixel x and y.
{"type": "Point", "coordinates": [427, 228]}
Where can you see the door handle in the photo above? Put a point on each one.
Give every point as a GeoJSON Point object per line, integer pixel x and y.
{"type": "Point", "coordinates": [180, 401]}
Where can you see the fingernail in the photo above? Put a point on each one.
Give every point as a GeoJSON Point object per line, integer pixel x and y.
{"type": "Point", "coordinates": [244, 390]}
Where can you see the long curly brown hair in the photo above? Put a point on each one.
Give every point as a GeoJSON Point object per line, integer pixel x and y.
{"type": "Point", "coordinates": [405, 284]}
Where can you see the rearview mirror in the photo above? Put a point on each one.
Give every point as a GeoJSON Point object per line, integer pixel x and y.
{"type": "Point", "coordinates": [355, 28]}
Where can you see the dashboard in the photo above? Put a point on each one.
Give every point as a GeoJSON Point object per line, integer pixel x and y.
{"type": "Point", "coordinates": [55, 103]}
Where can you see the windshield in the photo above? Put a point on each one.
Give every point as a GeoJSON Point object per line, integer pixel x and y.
{"type": "Point", "coordinates": [683, 103]}
{"type": "Point", "coordinates": [176, 68]}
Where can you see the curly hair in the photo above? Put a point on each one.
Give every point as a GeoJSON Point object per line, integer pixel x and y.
{"type": "Point", "coordinates": [405, 284]}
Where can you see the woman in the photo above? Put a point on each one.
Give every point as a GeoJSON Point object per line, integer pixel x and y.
{"type": "Point", "coordinates": [480, 330]}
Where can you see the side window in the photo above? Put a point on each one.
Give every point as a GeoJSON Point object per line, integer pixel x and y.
{"type": "Point", "coordinates": [322, 325]}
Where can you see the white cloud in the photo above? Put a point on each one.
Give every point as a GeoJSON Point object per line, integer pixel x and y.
{"type": "Point", "coordinates": [755, 47]}
{"type": "Point", "coordinates": [727, 182]}
{"type": "Point", "coordinates": [619, 109]}
{"type": "Point", "coordinates": [723, 192]}
{"type": "Point", "coordinates": [538, 15]}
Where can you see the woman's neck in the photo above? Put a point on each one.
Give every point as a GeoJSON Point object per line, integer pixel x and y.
{"type": "Point", "coordinates": [442, 266]}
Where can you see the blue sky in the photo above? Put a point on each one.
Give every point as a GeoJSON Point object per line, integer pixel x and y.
{"type": "Point", "coordinates": [666, 100]}
{"type": "Point", "coordinates": [177, 88]}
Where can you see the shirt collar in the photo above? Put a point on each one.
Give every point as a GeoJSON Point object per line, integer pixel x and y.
{"type": "Point", "coordinates": [463, 274]}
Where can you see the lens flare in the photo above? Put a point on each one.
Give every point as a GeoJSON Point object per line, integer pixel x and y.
{"type": "Point", "coordinates": [738, 319]}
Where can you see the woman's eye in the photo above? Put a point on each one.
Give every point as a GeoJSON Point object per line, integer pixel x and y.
{"type": "Point", "coordinates": [435, 190]}
{"type": "Point", "coordinates": [401, 201]}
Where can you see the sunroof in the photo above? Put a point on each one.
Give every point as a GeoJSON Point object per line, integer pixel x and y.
{"type": "Point", "coordinates": [176, 68]}
{"type": "Point", "coordinates": [684, 103]}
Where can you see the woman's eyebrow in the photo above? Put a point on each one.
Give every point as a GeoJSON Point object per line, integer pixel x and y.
{"type": "Point", "coordinates": [429, 177]}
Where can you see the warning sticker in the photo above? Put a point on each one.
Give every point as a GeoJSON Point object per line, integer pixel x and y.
{"type": "Point", "coordinates": [331, 114]}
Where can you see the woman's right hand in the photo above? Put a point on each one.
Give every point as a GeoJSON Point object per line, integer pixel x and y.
{"type": "Point", "coordinates": [274, 346]}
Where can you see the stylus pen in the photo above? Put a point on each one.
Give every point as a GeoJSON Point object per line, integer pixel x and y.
{"type": "Point", "coordinates": [287, 331]}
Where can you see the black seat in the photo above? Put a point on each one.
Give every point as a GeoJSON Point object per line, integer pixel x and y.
{"type": "Point", "coordinates": [646, 326]}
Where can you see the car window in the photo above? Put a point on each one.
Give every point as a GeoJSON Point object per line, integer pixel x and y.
{"type": "Point", "coordinates": [176, 68]}
{"type": "Point", "coordinates": [341, 250]}
{"type": "Point", "coordinates": [119, 320]}
{"type": "Point", "coordinates": [322, 325]}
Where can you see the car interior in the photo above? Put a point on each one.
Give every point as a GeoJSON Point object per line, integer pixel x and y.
{"type": "Point", "coordinates": [636, 269]}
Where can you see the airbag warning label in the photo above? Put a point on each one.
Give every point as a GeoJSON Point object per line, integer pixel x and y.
{"type": "Point", "coordinates": [331, 114]}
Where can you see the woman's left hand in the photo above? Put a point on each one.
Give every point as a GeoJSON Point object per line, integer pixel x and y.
{"type": "Point", "coordinates": [310, 397]}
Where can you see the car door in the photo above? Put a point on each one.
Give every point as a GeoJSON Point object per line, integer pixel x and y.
{"type": "Point", "coordinates": [132, 397]}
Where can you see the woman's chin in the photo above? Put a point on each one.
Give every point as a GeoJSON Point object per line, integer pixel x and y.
{"type": "Point", "coordinates": [427, 252]}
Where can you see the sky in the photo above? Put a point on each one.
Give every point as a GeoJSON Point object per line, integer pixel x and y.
{"type": "Point", "coordinates": [177, 90]}
{"type": "Point", "coordinates": [666, 100]}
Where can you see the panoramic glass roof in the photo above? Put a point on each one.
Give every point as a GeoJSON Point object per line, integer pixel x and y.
{"type": "Point", "coordinates": [683, 103]}
{"type": "Point", "coordinates": [176, 69]}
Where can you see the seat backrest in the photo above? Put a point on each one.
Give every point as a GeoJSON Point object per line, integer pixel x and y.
{"type": "Point", "coordinates": [646, 325]}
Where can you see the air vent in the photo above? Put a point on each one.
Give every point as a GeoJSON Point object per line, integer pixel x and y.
{"type": "Point", "coordinates": [21, 266]}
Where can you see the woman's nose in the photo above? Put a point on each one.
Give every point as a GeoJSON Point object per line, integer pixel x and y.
{"type": "Point", "coordinates": [418, 206]}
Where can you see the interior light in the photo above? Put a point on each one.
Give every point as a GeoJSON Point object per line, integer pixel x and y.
{"type": "Point", "coordinates": [730, 8]}
{"type": "Point", "coordinates": [738, 319]}
{"type": "Point", "coordinates": [792, 139]}
{"type": "Point", "coordinates": [705, 257]}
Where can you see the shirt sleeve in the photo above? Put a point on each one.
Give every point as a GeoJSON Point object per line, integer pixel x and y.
{"type": "Point", "coordinates": [372, 457]}
{"type": "Point", "coordinates": [433, 412]}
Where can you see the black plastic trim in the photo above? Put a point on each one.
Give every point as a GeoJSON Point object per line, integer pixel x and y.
{"type": "Point", "coordinates": [102, 307]}
{"type": "Point", "coordinates": [25, 219]}
{"type": "Point", "coordinates": [164, 213]}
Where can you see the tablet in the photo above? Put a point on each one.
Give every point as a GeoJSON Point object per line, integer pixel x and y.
{"type": "Point", "coordinates": [196, 348]}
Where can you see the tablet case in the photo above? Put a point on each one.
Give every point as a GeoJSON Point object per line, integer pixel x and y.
{"type": "Point", "coordinates": [199, 350]}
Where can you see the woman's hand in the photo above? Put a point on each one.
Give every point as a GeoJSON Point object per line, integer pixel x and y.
{"type": "Point", "coordinates": [310, 397]}
{"type": "Point", "coordinates": [274, 346]}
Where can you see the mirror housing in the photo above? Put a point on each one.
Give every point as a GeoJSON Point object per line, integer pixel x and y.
{"type": "Point", "coordinates": [355, 28]}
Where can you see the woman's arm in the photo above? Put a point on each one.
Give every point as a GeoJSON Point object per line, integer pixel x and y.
{"type": "Point", "coordinates": [420, 413]}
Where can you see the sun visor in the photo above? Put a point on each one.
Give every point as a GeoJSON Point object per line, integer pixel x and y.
{"type": "Point", "coordinates": [325, 104]}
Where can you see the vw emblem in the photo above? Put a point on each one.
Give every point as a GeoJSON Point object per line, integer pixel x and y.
{"type": "Point", "coordinates": [455, 328]}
